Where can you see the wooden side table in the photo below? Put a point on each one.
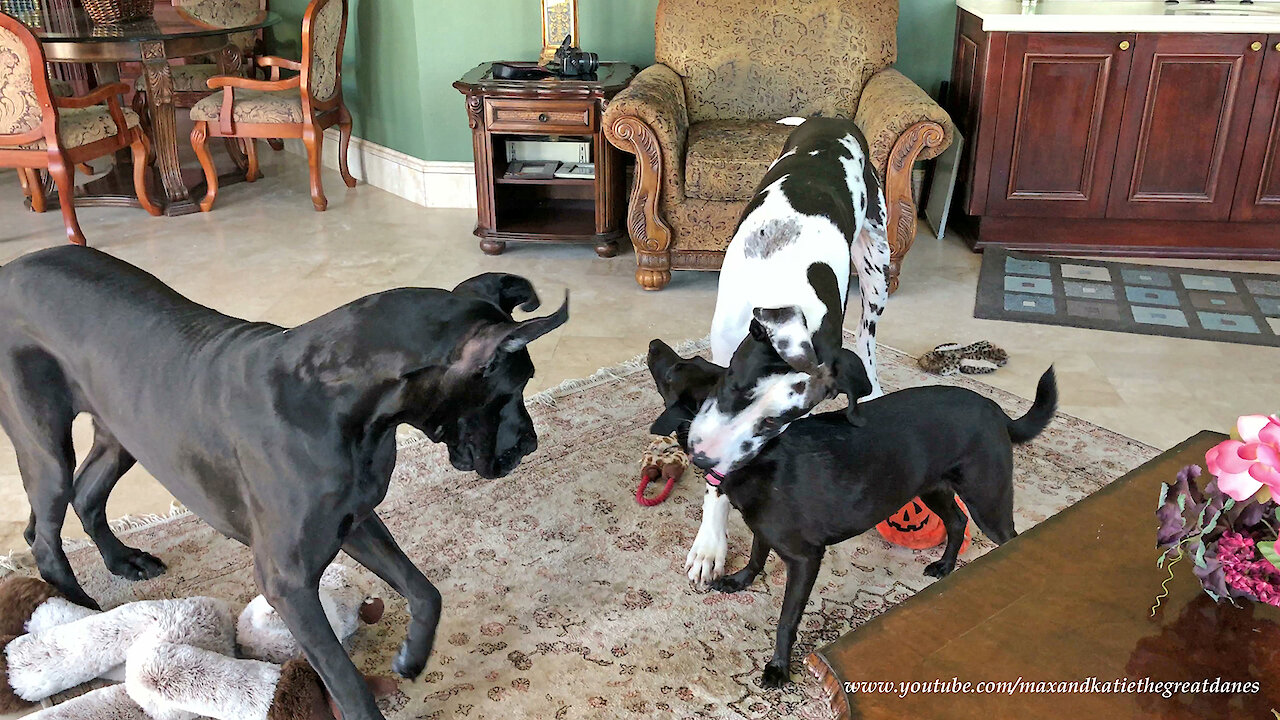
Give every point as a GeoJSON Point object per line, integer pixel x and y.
{"type": "Point", "coordinates": [554, 210]}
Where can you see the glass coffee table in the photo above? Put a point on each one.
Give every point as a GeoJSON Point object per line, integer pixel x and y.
{"type": "Point", "coordinates": [1067, 601]}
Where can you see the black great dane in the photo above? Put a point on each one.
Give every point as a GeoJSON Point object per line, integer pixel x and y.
{"type": "Point", "coordinates": [282, 439]}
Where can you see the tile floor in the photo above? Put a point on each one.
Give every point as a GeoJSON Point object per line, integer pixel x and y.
{"type": "Point", "coordinates": [263, 253]}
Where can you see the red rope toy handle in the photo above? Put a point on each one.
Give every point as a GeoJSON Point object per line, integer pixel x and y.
{"type": "Point", "coordinates": [650, 502]}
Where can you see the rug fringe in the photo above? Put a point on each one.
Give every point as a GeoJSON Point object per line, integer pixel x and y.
{"type": "Point", "coordinates": [20, 560]}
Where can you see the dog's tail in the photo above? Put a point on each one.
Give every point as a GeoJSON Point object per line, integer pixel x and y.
{"type": "Point", "coordinates": [1028, 426]}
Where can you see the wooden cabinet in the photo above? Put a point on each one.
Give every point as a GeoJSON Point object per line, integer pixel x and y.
{"type": "Point", "coordinates": [1060, 106]}
{"type": "Point", "coordinates": [1112, 143]}
{"type": "Point", "coordinates": [1258, 190]}
{"type": "Point", "coordinates": [1186, 117]}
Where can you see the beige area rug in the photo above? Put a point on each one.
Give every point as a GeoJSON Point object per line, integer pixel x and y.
{"type": "Point", "coordinates": [563, 598]}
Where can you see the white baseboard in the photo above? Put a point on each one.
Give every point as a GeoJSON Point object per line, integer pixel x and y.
{"type": "Point", "coordinates": [430, 183]}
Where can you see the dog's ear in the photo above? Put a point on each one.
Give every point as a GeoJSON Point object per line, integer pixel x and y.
{"type": "Point", "coordinates": [789, 335]}
{"type": "Point", "coordinates": [849, 376]}
{"type": "Point", "coordinates": [671, 419]}
{"type": "Point", "coordinates": [502, 289]}
{"type": "Point", "coordinates": [479, 351]}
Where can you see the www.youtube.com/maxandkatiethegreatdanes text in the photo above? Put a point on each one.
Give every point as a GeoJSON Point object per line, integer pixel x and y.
{"type": "Point", "coordinates": [1163, 688]}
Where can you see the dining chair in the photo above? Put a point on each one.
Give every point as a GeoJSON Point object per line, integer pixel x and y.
{"type": "Point", "coordinates": [190, 80]}
{"type": "Point", "coordinates": [302, 106]}
{"type": "Point", "coordinates": [41, 131]}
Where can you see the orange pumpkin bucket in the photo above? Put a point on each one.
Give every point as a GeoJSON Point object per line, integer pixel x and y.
{"type": "Point", "coordinates": [917, 527]}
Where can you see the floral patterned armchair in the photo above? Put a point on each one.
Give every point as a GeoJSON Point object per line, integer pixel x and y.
{"type": "Point", "coordinates": [701, 122]}
{"type": "Point", "coordinates": [190, 81]}
{"type": "Point", "coordinates": [42, 130]}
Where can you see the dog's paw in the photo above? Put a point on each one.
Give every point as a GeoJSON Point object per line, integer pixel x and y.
{"type": "Point", "coordinates": [939, 569]}
{"type": "Point", "coordinates": [408, 664]}
{"type": "Point", "coordinates": [732, 583]}
{"type": "Point", "coordinates": [706, 560]}
{"type": "Point", "coordinates": [135, 565]}
{"type": "Point", "coordinates": [776, 675]}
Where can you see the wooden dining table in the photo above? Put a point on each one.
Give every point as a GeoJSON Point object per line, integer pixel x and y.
{"type": "Point", "coordinates": [68, 35]}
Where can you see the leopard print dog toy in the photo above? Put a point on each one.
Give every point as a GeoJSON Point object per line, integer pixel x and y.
{"type": "Point", "coordinates": [979, 358]}
{"type": "Point", "coordinates": [663, 459]}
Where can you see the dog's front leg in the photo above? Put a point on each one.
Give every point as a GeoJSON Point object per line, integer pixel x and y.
{"type": "Point", "coordinates": [294, 592]}
{"type": "Point", "coordinates": [705, 561]}
{"type": "Point", "coordinates": [872, 257]}
{"type": "Point", "coordinates": [742, 579]}
{"type": "Point", "coordinates": [372, 545]}
{"type": "Point", "coordinates": [801, 573]}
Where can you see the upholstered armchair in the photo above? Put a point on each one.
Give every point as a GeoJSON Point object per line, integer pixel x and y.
{"type": "Point", "coordinates": [42, 131]}
{"type": "Point", "coordinates": [702, 120]}
{"type": "Point", "coordinates": [191, 80]}
{"type": "Point", "coordinates": [301, 106]}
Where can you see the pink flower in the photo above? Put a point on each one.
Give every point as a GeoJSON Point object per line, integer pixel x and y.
{"type": "Point", "coordinates": [1243, 466]}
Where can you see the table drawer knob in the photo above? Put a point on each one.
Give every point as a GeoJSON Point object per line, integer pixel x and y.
{"type": "Point", "coordinates": [543, 117]}
{"type": "Point", "coordinates": [1256, 46]}
{"type": "Point", "coordinates": [1124, 45]}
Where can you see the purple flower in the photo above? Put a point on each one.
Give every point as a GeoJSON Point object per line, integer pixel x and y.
{"type": "Point", "coordinates": [1212, 577]}
{"type": "Point", "coordinates": [1172, 526]}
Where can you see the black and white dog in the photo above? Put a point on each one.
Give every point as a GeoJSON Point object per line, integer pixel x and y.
{"type": "Point", "coordinates": [817, 217]}
{"type": "Point", "coordinates": [282, 439]}
{"type": "Point", "coordinates": [824, 480]}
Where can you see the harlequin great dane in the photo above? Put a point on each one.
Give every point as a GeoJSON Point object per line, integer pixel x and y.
{"type": "Point", "coordinates": [817, 217]}
{"type": "Point", "coordinates": [282, 439]}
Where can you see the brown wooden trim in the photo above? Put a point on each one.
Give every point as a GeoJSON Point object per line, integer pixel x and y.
{"type": "Point", "coordinates": [832, 687]}
{"type": "Point", "coordinates": [696, 259]}
{"type": "Point", "coordinates": [1119, 237]}
{"type": "Point", "coordinates": [649, 232]}
{"type": "Point", "coordinates": [897, 191]}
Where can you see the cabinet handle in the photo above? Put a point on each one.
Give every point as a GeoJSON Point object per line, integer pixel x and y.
{"type": "Point", "coordinates": [543, 117]}
{"type": "Point", "coordinates": [1124, 45]}
{"type": "Point", "coordinates": [1256, 46]}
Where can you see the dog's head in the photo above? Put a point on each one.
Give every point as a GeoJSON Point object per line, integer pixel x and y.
{"type": "Point", "coordinates": [777, 375]}
{"type": "Point", "coordinates": [486, 426]}
{"type": "Point", "coordinates": [683, 384]}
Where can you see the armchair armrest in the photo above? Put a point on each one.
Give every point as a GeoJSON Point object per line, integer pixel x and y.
{"type": "Point", "coordinates": [275, 63]}
{"type": "Point", "coordinates": [96, 97]}
{"type": "Point", "coordinates": [890, 105]}
{"type": "Point", "coordinates": [650, 120]}
{"type": "Point", "coordinates": [244, 83]}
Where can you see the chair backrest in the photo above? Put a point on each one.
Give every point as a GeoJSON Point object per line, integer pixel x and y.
{"type": "Point", "coordinates": [765, 59]}
{"type": "Point", "coordinates": [324, 30]}
{"type": "Point", "coordinates": [26, 100]}
{"type": "Point", "coordinates": [225, 13]}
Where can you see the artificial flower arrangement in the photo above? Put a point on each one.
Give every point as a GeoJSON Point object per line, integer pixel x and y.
{"type": "Point", "coordinates": [1228, 528]}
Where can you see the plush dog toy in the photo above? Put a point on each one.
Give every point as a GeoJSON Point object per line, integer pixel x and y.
{"type": "Point", "coordinates": [177, 658]}
{"type": "Point", "coordinates": [662, 460]}
{"type": "Point", "coordinates": [978, 358]}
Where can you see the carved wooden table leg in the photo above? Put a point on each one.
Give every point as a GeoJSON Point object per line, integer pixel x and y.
{"type": "Point", "coordinates": [607, 249]}
{"type": "Point", "coordinates": [492, 247]}
{"type": "Point", "coordinates": [159, 83]}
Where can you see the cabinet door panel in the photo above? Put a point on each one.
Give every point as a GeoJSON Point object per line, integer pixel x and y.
{"type": "Point", "coordinates": [1185, 122]}
{"type": "Point", "coordinates": [1060, 107]}
{"type": "Point", "coordinates": [1258, 192]}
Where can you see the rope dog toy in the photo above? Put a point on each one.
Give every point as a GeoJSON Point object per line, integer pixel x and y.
{"type": "Point", "coordinates": [662, 459]}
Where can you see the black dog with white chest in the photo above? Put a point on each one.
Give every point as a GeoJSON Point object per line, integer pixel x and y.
{"type": "Point", "coordinates": [282, 439]}
{"type": "Point", "coordinates": [824, 480]}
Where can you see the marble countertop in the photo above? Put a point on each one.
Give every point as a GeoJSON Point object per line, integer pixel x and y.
{"type": "Point", "coordinates": [1224, 16]}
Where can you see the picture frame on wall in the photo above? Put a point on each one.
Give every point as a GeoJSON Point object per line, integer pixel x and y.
{"type": "Point", "coordinates": [559, 18]}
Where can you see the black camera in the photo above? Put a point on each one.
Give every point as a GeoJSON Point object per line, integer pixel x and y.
{"type": "Point", "coordinates": [573, 62]}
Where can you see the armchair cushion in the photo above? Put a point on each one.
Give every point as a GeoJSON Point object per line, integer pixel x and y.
{"type": "Point", "coordinates": [726, 158]}
{"type": "Point", "coordinates": [253, 106]}
{"type": "Point", "coordinates": [193, 78]}
{"type": "Point", "coordinates": [81, 126]}
{"type": "Point", "coordinates": [890, 104]}
{"type": "Point", "coordinates": [656, 98]}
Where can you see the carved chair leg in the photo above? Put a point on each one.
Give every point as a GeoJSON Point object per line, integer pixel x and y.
{"type": "Point", "coordinates": [313, 139]}
{"type": "Point", "coordinates": [897, 191]}
{"type": "Point", "coordinates": [141, 173]}
{"type": "Point", "coordinates": [32, 180]}
{"type": "Point", "coordinates": [276, 144]}
{"type": "Point", "coordinates": [251, 150]}
{"type": "Point", "coordinates": [64, 175]}
{"type": "Point", "coordinates": [344, 136]}
{"type": "Point", "coordinates": [200, 143]}
{"type": "Point", "coordinates": [649, 232]}
{"type": "Point", "coordinates": [84, 168]}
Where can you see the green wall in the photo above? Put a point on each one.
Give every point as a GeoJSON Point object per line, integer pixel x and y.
{"type": "Point", "coordinates": [402, 56]}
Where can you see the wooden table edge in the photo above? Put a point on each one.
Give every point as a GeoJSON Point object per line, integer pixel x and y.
{"type": "Point", "coordinates": [834, 686]}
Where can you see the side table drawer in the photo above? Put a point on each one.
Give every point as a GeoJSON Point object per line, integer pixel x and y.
{"type": "Point", "coordinates": [541, 116]}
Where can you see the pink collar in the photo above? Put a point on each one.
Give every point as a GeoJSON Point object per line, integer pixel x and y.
{"type": "Point", "coordinates": [714, 478]}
